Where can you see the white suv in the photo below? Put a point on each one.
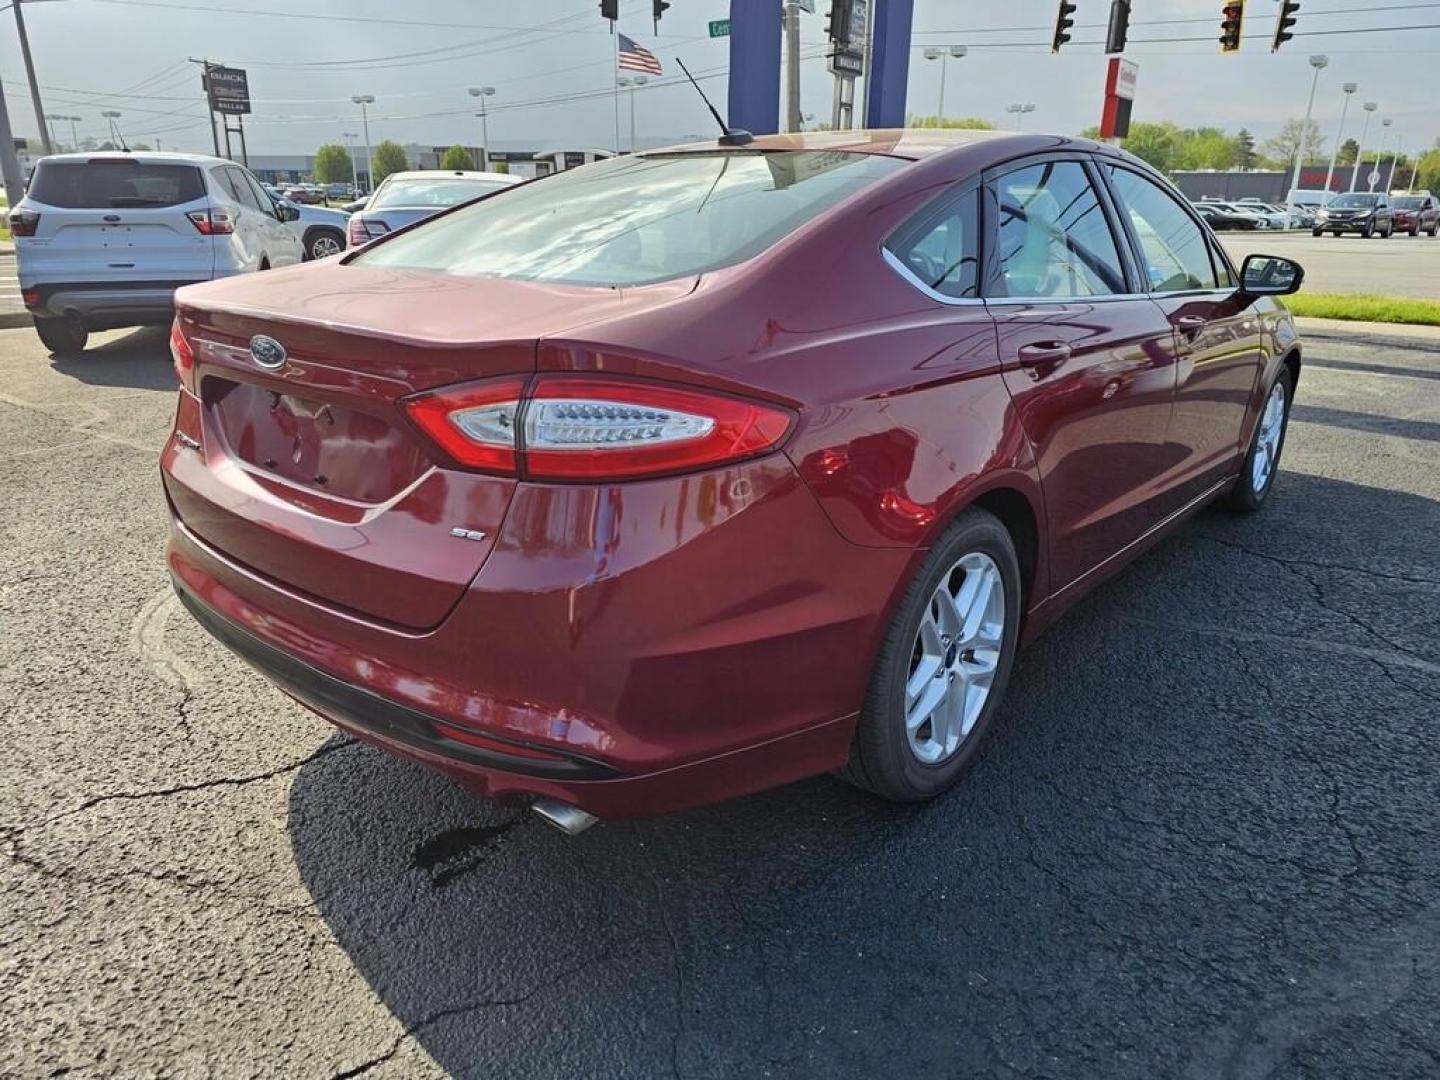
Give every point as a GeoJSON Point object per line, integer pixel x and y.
{"type": "Point", "coordinates": [104, 240]}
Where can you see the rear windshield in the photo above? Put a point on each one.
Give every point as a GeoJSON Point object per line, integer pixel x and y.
{"type": "Point", "coordinates": [432, 192]}
{"type": "Point", "coordinates": [1409, 202]}
{"type": "Point", "coordinates": [635, 220]}
{"type": "Point", "coordinates": [80, 185]}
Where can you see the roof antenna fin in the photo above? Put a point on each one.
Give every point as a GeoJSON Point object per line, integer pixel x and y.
{"type": "Point", "coordinates": [731, 136]}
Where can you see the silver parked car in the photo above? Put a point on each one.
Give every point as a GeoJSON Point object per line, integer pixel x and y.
{"type": "Point", "coordinates": [104, 240]}
{"type": "Point", "coordinates": [407, 197]}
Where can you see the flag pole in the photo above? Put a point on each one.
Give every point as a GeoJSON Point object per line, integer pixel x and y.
{"type": "Point", "coordinates": [615, 82]}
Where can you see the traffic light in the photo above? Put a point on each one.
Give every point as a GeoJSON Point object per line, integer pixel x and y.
{"type": "Point", "coordinates": [1063, 22]}
{"type": "Point", "coordinates": [1119, 26]}
{"type": "Point", "coordinates": [610, 9]}
{"type": "Point", "coordinates": [1286, 20]}
{"type": "Point", "coordinates": [837, 23]}
{"type": "Point", "coordinates": [1232, 16]}
{"type": "Point", "coordinates": [657, 8]}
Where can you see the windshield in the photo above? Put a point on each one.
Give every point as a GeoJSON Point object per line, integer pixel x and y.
{"type": "Point", "coordinates": [635, 220]}
{"type": "Point", "coordinates": [1409, 202]}
{"type": "Point", "coordinates": [102, 184]}
{"type": "Point", "coordinates": [438, 192]}
{"type": "Point", "coordinates": [1357, 199]}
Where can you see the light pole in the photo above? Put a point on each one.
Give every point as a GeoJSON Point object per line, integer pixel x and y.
{"type": "Point", "coordinates": [1370, 107]}
{"type": "Point", "coordinates": [75, 132]}
{"type": "Point", "coordinates": [50, 119]}
{"type": "Point", "coordinates": [790, 18]}
{"type": "Point", "coordinates": [363, 100]}
{"type": "Point", "coordinates": [1349, 89]}
{"type": "Point", "coordinates": [1319, 63]}
{"type": "Point", "coordinates": [630, 82]}
{"type": "Point", "coordinates": [1380, 154]}
{"type": "Point", "coordinates": [111, 115]}
{"type": "Point", "coordinates": [30, 74]}
{"type": "Point", "coordinates": [482, 92]}
{"type": "Point", "coordinates": [1019, 110]}
{"type": "Point", "coordinates": [943, 55]}
{"type": "Point", "coordinates": [350, 138]}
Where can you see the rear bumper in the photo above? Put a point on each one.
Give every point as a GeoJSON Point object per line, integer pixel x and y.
{"type": "Point", "coordinates": [665, 663]}
{"type": "Point", "coordinates": [106, 305]}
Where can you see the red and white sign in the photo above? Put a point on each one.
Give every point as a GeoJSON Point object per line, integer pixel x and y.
{"type": "Point", "coordinates": [1119, 94]}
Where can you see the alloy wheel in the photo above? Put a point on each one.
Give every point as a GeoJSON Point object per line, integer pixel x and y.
{"type": "Point", "coordinates": [954, 658]}
{"type": "Point", "coordinates": [1267, 439]}
{"type": "Point", "coordinates": [324, 246]}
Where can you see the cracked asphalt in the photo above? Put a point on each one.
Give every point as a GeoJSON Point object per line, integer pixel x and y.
{"type": "Point", "coordinates": [1201, 841]}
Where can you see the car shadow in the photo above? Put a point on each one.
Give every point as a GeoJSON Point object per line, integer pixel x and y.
{"type": "Point", "coordinates": [1151, 847]}
{"type": "Point", "coordinates": [139, 359]}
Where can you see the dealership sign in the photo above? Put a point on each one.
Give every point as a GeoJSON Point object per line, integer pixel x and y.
{"type": "Point", "coordinates": [1119, 96]}
{"type": "Point", "coordinates": [227, 88]}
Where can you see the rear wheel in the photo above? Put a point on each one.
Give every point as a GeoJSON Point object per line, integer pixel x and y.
{"type": "Point", "coordinates": [63, 337]}
{"type": "Point", "coordinates": [1257, 473]}
{"type": "Point", "coordinates": [322, 243]}
{"type": "Point", "coordinates": [1316, 232]}
{"type": "Point", "coordinates": [943, 665]}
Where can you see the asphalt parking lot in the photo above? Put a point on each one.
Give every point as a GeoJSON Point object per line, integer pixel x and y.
{"type": "Point", "coordinates": [1200, 843]}
{"type": "Point", "coordinates": [1400, 265]}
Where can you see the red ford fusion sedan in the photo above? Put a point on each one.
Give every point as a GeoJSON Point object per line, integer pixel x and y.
{"type": "Point", "coordinates": [690, 473]}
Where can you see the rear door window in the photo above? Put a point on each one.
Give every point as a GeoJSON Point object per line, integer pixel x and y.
{"type": "Point", "coordinates": [1052, 237]}
{"type": "Point", "coordinates": [239, 187]}
{"type": "Point", "coordinates": [101, 184]}
{"type": "Point", "coordinates": [938, 247]}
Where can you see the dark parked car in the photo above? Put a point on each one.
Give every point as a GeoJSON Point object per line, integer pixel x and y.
{"type": "Point", "coordinates": [1221, 220]}
{"type": "Point", "coordinates": [1363, 212]}
{"type": "Point", "coordinates": [1416, 214]}
{"type": "Point", "coordinates": [690, 473]}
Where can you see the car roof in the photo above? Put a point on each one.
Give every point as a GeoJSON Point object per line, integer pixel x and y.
{"type": "Point", "coordinates": [142, 157]}
{"type": "Point", "coordinates": [453, 174]}
{"type": "Point", "coordinates": [911, 143]}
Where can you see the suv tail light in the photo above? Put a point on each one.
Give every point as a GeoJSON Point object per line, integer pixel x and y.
{"type": "Point", "coordinates": [24, 222]}
{"type": "Point", "coordinates": [214, 222]}
{"type": "Point", "coordinates": [184, 357]}
{"type": "Point", "coordinates": [362, 231]}
{"type": "Point", "coordinates": [588, 428]}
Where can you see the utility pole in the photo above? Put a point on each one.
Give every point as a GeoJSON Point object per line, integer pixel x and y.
{"type": "Point", "coordinates": [30, 74]}
{"type": "Point", "coordinates": [1319, 63]}
{"type": "Point", "coordinates": [792, 65]}
{"type": "Point", "coordinates": [9, 159]}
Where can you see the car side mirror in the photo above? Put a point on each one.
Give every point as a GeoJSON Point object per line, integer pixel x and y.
{"type": "Point", "coordinates": [286, 212]}
{"type": "Point", "coordinates": [1270, 275]}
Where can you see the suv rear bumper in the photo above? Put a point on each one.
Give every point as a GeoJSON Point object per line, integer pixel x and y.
{"type": "Point", "coordinates": [107, 305]}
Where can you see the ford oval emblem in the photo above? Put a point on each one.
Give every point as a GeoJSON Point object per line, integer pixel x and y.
{"type": "Point", "coordinates": [266, 351]}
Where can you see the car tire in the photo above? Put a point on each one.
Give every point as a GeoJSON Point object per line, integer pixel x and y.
{"type": "Point", "coordinates": [63, 337]}
{"type": "Point", "coordinates": [321, 243]}
{"type": "Point", "coordinates": [1316, 232]}
{"type": "Point", "coordinates": [1415, 231]}
{"type": "Point", "coordinates": [1251, 488]}
{"type": "Point", "coordinates": [1368, 231]}
{"type": "Point", "coordinates": [887, 757]}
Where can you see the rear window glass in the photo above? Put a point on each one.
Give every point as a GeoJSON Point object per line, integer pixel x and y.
{"type": "Point", "coordinates": [635, 220]}
{"type": "Point", "coordinates": [95, 184]}
{"type": "Point", "coordinates": [432, 192]}
{"type": "Point", "coordinates": [1409, 202]}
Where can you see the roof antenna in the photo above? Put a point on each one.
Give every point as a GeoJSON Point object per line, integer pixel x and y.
{"type": "Point", "coordinates": [731, 136]}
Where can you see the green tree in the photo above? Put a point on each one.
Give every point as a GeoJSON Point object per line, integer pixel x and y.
{"type": "Point", "coordinates": [332, 164]}
{"type": "Point", "coordinates": [457, 157]}
{"type": "Point", "coordinates": [1429, 166]}
{"type": "Point", "coordinates": [1245, 156]}
{"type": "Point", "coordinates": [971, 122]}
{"type": "Point", "coordinates": [1156, 143]}
{"type": "Point", "coordinates": [1296, 133]}
{"type": "Point", "coordinates": [389, 157]}
{"type": "Point", "coordinates": [1205, 148]}
{"type": "Point", "coordinates": [1349, 151]}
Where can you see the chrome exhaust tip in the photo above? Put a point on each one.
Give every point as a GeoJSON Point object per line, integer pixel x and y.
{"type": "Point", "coordinates": [568, 819]}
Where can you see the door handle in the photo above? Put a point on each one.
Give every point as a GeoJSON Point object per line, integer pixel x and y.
{"type": "Point", "coordinates": [1190, 324]}
{"type": "Point", "coordinates": [1044, 356]}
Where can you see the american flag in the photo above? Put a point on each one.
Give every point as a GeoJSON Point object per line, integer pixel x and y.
{"type": "Point", "coordinates": [634, 57]}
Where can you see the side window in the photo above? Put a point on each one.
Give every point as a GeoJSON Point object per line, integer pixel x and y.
{"type": "Point", "coordinates": [1052, 237]}
{"type": "Point", "coordinates": [256, 191]}
{"type": "Point", "coordinates": [235, 183]}
{"type": "Point", "coordinates": [1177, 255]}
{"type": "Point", "coordinates": [938, 246]}
{"type": "Point", "coordinates": [1222, 272]}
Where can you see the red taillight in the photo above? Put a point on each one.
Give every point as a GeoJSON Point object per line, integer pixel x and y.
{"type": "Point", "coordinates": [24, 222]}
{"type": "Point", "coordinates": [362, 231]}
{"type": "Point", "coordinates": [588, 428]}
{"type": "Point", "coordinates": [184, 357]}
{"type": "Point", "coordinates": [31, 297]}
{"type": "Point", "coordinates": [212, 222]}
{"type": "Point", "coordinates": [474, 424]}
{"type": "Point", "coordinates": [585, 428]}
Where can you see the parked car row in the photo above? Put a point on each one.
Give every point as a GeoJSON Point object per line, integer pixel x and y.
{"type": "Point", "coordinates": [1252, 213]}
{"type": "Point", "coordinates": [1364, 213]}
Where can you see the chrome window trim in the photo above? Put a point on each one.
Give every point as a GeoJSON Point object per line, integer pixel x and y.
{"type": "Point", "coordinates": [934, 294]}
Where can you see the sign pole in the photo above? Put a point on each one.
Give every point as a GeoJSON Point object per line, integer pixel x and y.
{"type": "Point", "coordinates": [244, 155]}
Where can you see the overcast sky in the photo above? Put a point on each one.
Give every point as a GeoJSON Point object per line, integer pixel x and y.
{"type": "Point", "coordinates": [305, 59]}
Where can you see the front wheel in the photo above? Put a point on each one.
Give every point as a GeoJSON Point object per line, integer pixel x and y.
{"type": "Point", "coordinates": [1257, 472]}
{"type": "Point", "coordinates": [322, 243]}
{"type": "Point", "coordinates": [62, 336]}
{"type": "Point", "coordinates": [943, 665]}
{"type": "Point", "coordinates": [1316, 232]}
{"type": "Point", "coordinates": [1368, 231]}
